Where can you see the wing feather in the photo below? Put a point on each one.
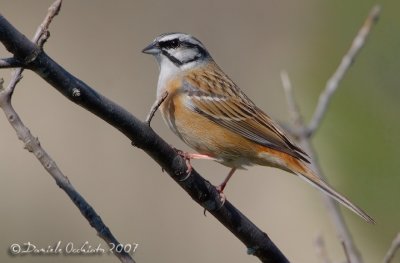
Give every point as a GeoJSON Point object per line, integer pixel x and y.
{"type": "Point", "coordinates": [239, 114]}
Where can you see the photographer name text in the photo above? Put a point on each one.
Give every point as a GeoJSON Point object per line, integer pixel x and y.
{"type": "Point", "coordinates": [70, 248]}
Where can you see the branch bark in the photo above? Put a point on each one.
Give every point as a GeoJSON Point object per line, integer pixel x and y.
{"type": "Point", "coordinates": [33, 57]}
{"type": "Point", "coordinates": [32, 144]}
{"type": "Point", "coordinates": [10, 63]}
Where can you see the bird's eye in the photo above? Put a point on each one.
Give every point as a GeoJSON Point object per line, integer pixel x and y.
{"type": "Point", "coordinates": [170, 44]}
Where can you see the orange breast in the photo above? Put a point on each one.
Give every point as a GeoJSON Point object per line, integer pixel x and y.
{"type": "Point", "coordinates": [205, 136]}
{"type": "Point", "coordinates": [209, 138]}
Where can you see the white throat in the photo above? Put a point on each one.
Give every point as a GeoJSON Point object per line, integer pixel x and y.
{"type": "Point", "coordinates": [169, 70]}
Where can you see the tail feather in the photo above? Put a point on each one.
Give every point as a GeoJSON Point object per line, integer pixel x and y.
{"type": "Point", "coordinates": [309, 176]}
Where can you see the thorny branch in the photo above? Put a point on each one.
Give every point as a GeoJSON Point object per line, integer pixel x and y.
{"type": "Point", "coordinates": [32, 144]}
{"type": "Point", "coordinates": [304, 133]}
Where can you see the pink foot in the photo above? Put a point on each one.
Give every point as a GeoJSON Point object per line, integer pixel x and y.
{"type": "Point", "coordinates": [222, 197]}
{"type": "Point", "coordinates": [186, 157]}
{"type": "Point", "coordinates": [189, 156]}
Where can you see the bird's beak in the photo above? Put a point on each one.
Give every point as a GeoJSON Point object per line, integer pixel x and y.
{"type": "Point", "coordinates": [152, 49]}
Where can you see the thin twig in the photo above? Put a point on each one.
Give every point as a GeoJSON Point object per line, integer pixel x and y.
{"type": "Point", "coordinates": [32, 144]}
{"type": "Point", "coordinates": [10, 63]}
{"type": "Point", "coordinates": [294, 110]}
{"type": "Point", "coordinates": [39, 39]}
{"type": "Point", "coordinates": [394, 247]}
{"type": "Point", "coordinates": [334, 212]}
{"type": "Point", "coordinates": [42, 34]}
{"type": "Point", "coordinates": [155, 106]}
{"type": "Point", "coordinates": [336, 216]}
{"type": "Point", "coordinates": [346, 252]}
{"type": "Point", "coordinates": [348, 59]}
{"type": "Point", "coordinates": [321, 249]}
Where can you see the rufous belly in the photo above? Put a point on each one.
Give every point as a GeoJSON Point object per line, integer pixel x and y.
{"type": "Point", "coordinates": [209, 138]}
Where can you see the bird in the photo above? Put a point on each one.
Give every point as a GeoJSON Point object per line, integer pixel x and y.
{"type": "Point", "coordinates": [213, 116]}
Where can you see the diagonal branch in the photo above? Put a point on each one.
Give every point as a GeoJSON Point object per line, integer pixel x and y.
{"type": "Point", "coordinates": [257, 242]}
{"type": "Point", "coordinates": [304, 133]}
{"type": "Point", "coordinates": [32, 144]}
{"type": "Point", "coordinates": [347, 61]}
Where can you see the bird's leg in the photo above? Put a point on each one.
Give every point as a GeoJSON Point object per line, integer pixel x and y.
{"type": "Point", "coordinates": [155, 107]}
{"type": "Point", "coordinates": [221, 187]}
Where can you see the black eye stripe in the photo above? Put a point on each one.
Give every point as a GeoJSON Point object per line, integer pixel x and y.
{"type": "Point", "coordinates": [170, 44]}
{"type": "Point", "coordinates": [175, 43]}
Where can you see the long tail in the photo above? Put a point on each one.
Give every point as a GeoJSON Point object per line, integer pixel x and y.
{"type": "Point", "coordinates": [309, 176]}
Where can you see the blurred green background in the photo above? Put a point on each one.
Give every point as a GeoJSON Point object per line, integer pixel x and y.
{"type": "Point", "coordinates": [100, 42]}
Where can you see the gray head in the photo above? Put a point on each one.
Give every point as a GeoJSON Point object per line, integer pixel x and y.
{"type": "Point", "coordinates": [180, 49]}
